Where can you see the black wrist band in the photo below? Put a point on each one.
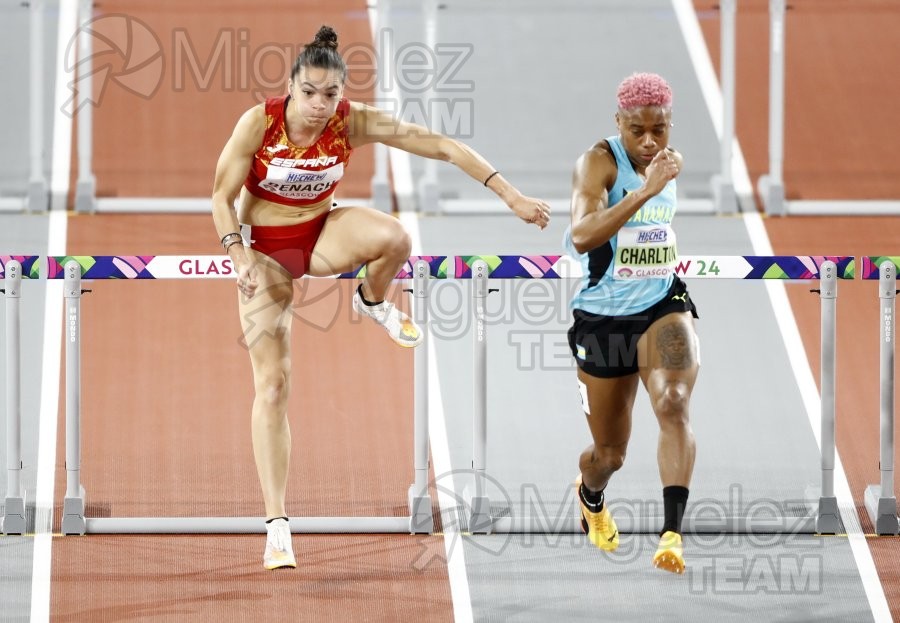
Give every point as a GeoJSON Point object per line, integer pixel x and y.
{"type": "Point", "coordinates": [488, 178]}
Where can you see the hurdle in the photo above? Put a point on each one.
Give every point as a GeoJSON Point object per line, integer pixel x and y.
{"type": "Point", "coordinates": [74, 270]}
{"type": "Point", "coordinates": [881, 504]}
{"type": "Point", "coordinates": [826, 269]}
{"type": "Point", "coordinates": [13, 268]}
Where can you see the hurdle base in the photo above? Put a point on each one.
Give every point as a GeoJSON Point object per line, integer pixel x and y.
{"type": "Point", "coordinates": [38, 196]}
{"type": "Point", "coordinates": [73, 520]}
{"type": "Point", "coordinates": [772, 196]}
{"type": "Point", "coordinates": [421, 520]}
{"type": "Point", "coordinates": [428, 196]}
{"type": "Point", "coordinates": [882, 511]}
{"type": "Point", "coordinates": [382, 198]}
{"type": "Point", "coordinates": [724, 196]}
{"type": "Point", "coordinates": [86, 195]}
{"type": "Point", "coordinates": [14, 516]}
{"type": "Point", "coordinates": [828, 520]}
{"type": "Point", "coordinates": [480, 520]}
{"type": "Point", "coordinates": [245, 525]}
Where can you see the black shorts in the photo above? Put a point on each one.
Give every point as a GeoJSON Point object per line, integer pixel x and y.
{"type": "Point", "coordinates": [607, 346]}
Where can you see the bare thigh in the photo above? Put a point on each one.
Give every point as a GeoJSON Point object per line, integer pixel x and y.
{"type": "Point", "coordinates": [350, 238]}
{"type": "Point", "coordinates": [266, 318]}
{"type": "Point", "coordinates": [669, 354]}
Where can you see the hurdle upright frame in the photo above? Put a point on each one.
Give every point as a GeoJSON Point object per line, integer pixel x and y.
{"type": "Point", "coordinates": [13, 269]}
{"type": "Point", "coordinates": [75, 521]}
{"type": "Point", "coordinates": [880, 501]}
{"type": "Point", "coordinates": [14, 510]}
{"type": "Point", "coordinates": [807, 268]}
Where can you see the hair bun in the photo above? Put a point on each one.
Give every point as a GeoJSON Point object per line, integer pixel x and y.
{"type": "Point", "coordinates": [326, 37]}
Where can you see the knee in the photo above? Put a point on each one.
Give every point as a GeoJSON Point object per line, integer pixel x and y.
{"type": "Point", "coordinates": [272, 389]}
{"type": "Point", "coordinates": [671, 405]}
{"type": "Point", "coordinates": [396, 241]}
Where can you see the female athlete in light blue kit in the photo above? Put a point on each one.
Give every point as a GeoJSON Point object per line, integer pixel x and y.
{"type": "Point", "coordinates": [633, 318]}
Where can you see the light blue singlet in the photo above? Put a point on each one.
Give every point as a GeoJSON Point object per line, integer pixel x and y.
{"type": "Point", "coordinates": [619, 275]}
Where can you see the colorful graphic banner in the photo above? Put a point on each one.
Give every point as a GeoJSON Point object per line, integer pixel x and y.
{"type": "Point", "coordinates": [438, 266]}
{"type": "Point", "coordinates": [871, 265]}
{"type": "Point", "coordinates": [192, 267]}
{"type": "Point", "coordinates": [31, 267]}
{"type": "Point", "coordinates": [690, 266]}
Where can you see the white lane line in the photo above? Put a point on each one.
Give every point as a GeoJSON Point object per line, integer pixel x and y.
{"type": "Point", "coordinates": [712, 94]}
{"type": "Point", "coordinates": [803, 375]}
{"type": "Point", "coordinates": [48, 418]}
{"type": "Point", "coordinates": [53, 306]}
{"type": "Point", "coordinates": [443, 469]}
{"type": "Point", "coordinates": [62, 122]}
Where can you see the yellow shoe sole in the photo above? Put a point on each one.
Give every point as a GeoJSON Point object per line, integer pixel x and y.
{"type": "Point", "coordinates": [669, 555]}
{"type": "Point", "coordinates": [668, 561]}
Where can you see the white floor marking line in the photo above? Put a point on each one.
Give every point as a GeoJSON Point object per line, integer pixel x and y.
{"type": "Point", "coordinates": [443, 469]}
{"type": "Point", "coordinates": [51, 359]}
{"type": "Point", "coordinates": [62, 122]}
{"type": "Point", "coordinates": [712, 94]}
{"type": "Point", "coordinates": [48, 418]}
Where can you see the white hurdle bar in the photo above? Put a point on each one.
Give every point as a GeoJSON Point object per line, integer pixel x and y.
{"type": "Point", "coordinates": [825, 521]}
{"type": "Point", "coordinates": [38, 188]}
{"type": "Point", "coordinates": [14, 511]}
{"type": "Point", "coordinates": [771, 185]}
{"type": "Point", "coordinates": [75, 521]}
{"type": "Point", "coordinates": [881, 503]}
{"type": "Point", "coordinates": [724, 196]}
{"type": "Point", "coordinates": [86, 184]}
{"type": "Point", "coordinates": [37, 193]}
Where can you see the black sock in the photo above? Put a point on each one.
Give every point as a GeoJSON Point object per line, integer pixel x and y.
{"type": "Point", "coordinates": [274, 518]}
{"type": "Point", "coordinates": [674, 501]}
{"type": "Point", "coordinates": [592, 499]}
{"type": "Point", "coordinates": [363, 299]}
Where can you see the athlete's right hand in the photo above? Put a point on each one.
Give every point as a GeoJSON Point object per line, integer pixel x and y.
{"type": "Point", "coordinates": [661, 170]}
{"type": "Point", "coordinates": [246, 279]}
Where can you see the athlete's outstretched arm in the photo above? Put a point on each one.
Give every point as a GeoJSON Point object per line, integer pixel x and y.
{"type": "Point", "coordinates": [231, 171]}
{"type": "Point", "coordinates": [594, 223]}
{"type": "Point", "coordinates": [371, 125]}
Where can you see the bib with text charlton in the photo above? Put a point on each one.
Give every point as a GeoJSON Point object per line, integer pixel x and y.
{"type": "Point", "coordinates": [645, 252]}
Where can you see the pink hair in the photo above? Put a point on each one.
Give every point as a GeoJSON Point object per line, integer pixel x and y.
{"type": "Point", "coordinates": [643, 89]}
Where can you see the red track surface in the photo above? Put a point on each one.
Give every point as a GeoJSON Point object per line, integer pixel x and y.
{"type": "Point", "coordinates": [166, 402]}
{"type": "Point", "coordinates": [167, 384]}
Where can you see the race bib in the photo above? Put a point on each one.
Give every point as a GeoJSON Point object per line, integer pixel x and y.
{"type": "Point", "coordinates": [646, 252]}
{"type": "Point", "coordinates": [292, 183]}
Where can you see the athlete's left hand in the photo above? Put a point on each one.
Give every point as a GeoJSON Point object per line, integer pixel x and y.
{"type": "Point", "coordinates": [531, 210]}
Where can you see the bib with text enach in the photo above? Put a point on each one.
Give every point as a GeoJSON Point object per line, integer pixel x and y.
{"type": "Point", "coordinates": [645, 252]}
{"type": "Point", "coordinates": [285, 179]}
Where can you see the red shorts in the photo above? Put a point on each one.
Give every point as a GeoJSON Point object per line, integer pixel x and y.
{"type": "Point", "coordinates": [289, 245]}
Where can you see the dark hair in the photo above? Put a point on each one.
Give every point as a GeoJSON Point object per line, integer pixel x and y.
{"type": "Point", "coordinates": [322, 53]}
